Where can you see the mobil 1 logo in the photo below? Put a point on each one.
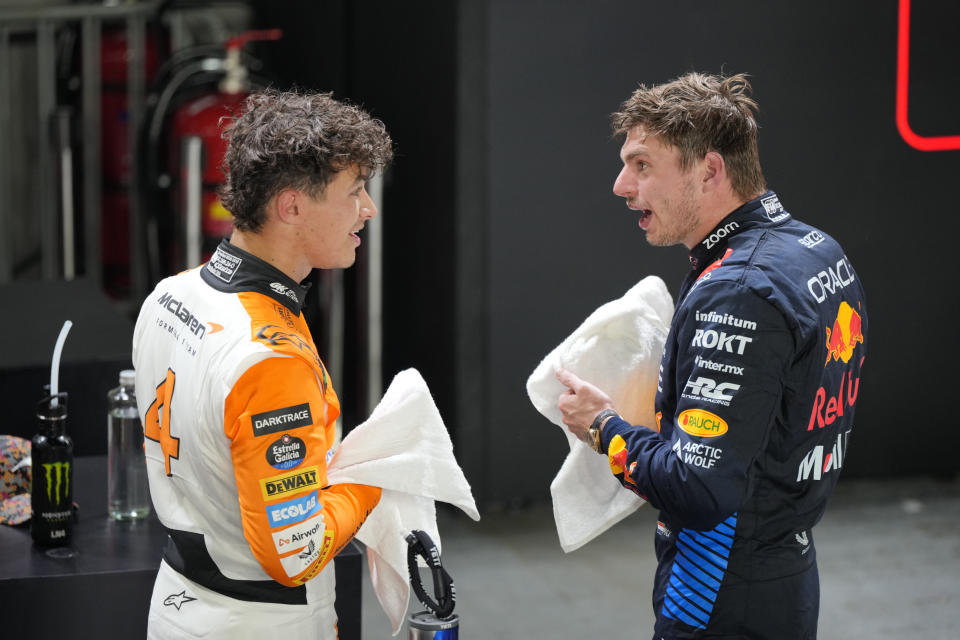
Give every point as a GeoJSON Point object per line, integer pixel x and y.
{"type": "Point", "coordinates": [286, 452]}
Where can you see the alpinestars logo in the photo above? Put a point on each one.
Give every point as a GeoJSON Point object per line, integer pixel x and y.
{"type": "Point", "coordinates": [57, 475]}
{"type": "Point", "coordinates": [803, 541]}
{"type": "Point", "coordinates": [177, 599]}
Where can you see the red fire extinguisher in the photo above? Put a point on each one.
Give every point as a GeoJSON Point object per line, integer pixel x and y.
{"type": "Point", "coordinates": [197, 150]}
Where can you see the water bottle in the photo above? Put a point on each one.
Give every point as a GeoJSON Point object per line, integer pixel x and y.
{"type": "Point", "coordinates": [51, 490]}
{"type": "Point", "coordinates": [128, 495]}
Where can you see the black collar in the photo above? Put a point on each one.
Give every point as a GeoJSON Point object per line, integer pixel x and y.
{"type": "Point", "coordinates": [231, 269]}
{"type": "Point", "coordinates": [765, 211]}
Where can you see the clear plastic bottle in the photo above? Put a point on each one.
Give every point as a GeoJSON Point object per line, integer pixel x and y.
{"type": "Point", "coordinates": [128, 494]}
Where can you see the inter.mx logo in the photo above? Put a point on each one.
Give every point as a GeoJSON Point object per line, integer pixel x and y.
{"type": "Point", "coordinates": [57, 475]}
{"type": "Point", "coordinates": [816, 465]}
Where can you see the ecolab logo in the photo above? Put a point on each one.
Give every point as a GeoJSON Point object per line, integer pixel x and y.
{"type": "Point", "coordinates": [831, 280]}
{"type": "Point", "coordinates": [292, 511]}
{"type": "Point", "coordinates": [698, 422]}
{"type": "Point", "coordinates": [814, 463]}
{"type": "Point", "coordinates": [721, 341]}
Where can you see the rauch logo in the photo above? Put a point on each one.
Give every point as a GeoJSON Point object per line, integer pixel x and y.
{"type": "Point", "coordinates": [698, 422]}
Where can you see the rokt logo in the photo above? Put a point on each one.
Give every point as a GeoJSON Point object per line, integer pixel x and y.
{"type": "Point", "coordinates": [698, 422]}
{"type": "Point", "coordinates": [59, 473]}
{"type": "Point", "coordinates": [721, 341]}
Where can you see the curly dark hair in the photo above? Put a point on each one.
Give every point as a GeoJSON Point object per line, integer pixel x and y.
{"type": "Point", "coordinates": [292, 140]}
{"type": "Point", "coordinates": [698, 113]}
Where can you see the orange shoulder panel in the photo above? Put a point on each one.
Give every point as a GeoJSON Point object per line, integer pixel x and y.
{"type": "Point", "coordinates": [281, 426]}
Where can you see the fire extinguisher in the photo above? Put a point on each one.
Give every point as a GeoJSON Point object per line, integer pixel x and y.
{"type": "Point", "coordinates": [196, 151]}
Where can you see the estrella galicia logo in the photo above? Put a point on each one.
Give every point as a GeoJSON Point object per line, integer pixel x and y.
{"type": "Point", "coordinates": [281, 419]}
{"type": "Point", "coordinates": [177, 599]}
{"type": "Point", "coordinates": [286, 452]}
{"type": "Point", "coordinates": [57, 476]}
{"type": "Point", "coordinates": [293, 511]}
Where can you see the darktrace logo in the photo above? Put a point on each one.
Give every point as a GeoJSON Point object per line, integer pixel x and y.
{"type": "Point", "coordinates": [283, 419]}
{"type": "Point", "coordinates": [289, 483]}
{"type": "Point", "coordinates": [177, 599]}
{"type": "Point", "coordinates": [286, 453]}
{"type": "Point", "coordinates": [174, 306]}
{"type": "Point", "coordinates": [57, 476]}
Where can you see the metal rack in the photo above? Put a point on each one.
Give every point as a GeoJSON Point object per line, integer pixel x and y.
{"type": "Point", "coordinates": [52, 148]}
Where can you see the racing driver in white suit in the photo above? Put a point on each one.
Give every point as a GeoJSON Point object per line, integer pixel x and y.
{"type": "Point", "coordinates": [237, 407]}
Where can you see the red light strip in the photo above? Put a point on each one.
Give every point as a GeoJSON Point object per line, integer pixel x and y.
{"type": "Point", "coordinates": [923, 143]}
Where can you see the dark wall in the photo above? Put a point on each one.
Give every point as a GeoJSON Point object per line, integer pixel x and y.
{"type": "Point", "coordinates": [558, 243]}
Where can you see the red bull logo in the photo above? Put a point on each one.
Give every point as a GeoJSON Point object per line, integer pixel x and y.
{"type": "Point", "coordinates": [617, 455]}
{"type": "Point", "coordinates": [847, 331]}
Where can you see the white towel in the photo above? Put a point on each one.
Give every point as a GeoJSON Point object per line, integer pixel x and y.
{"type": "Point", "coordinates": [618, 349]}
{"type": "Point", "coordinates": [404, 448]}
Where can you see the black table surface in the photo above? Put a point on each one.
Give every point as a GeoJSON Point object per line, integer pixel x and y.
{"type": "Point", "coordinates": [102, 544]}
{"type": "Point", "coordinates": [112, 558]}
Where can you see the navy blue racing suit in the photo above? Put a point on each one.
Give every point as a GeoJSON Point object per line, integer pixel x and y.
{"type": "Point", "coordinates": [758, 383]}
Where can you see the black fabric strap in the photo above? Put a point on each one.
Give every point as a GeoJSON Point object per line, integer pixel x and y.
{"type": "Point", "coordinates": [187, 554]}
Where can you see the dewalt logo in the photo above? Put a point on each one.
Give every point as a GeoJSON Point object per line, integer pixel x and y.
{"type": "Point", "coordinates": [289, 483]}
{"type": "Point", "coordinates": [57, 476]}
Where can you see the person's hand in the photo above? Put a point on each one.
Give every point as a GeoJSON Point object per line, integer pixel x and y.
{"type": "Point", "coordinates": [580, 404]}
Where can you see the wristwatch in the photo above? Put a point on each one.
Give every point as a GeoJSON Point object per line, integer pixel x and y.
{"type": "Point", "coordinates": [596, 426]}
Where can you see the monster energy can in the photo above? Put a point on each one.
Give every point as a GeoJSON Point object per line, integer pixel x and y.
{"type": "Point", "coordinates": [426, 626]}
{"type": "Point", "coordinates": [52, 475]}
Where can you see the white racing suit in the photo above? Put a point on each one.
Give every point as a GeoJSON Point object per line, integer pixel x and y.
{"type": "Point", "coordinates": [239, 415]}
